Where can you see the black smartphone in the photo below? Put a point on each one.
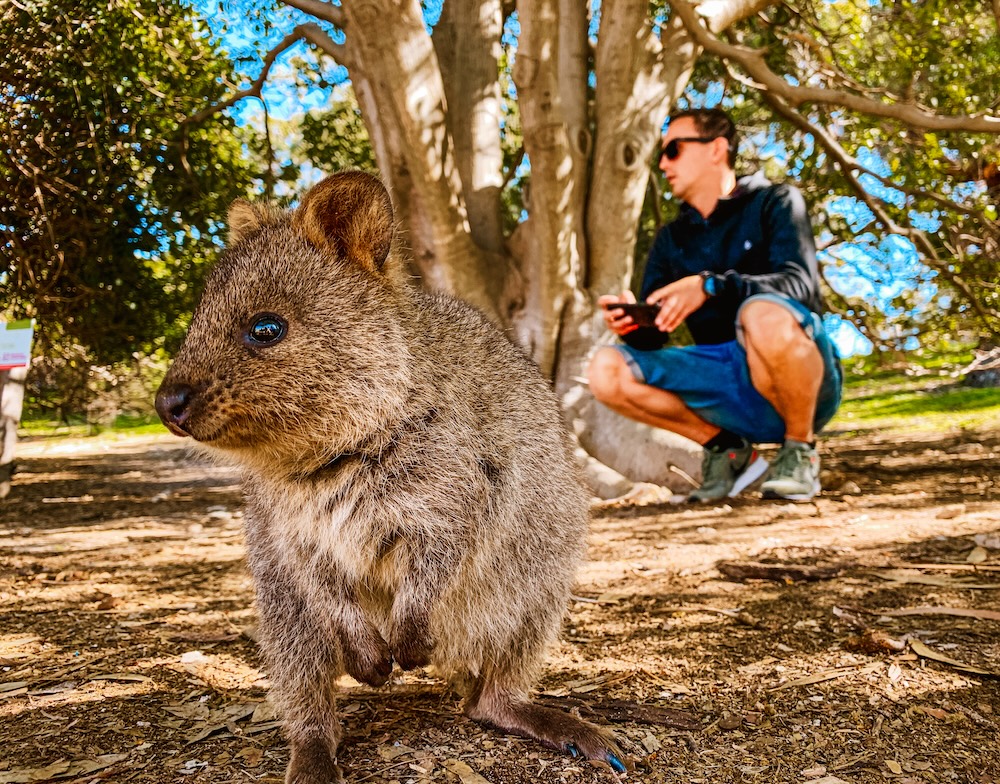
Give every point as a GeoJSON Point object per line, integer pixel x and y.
{"type": "Point", "coordinates": [642, 314]}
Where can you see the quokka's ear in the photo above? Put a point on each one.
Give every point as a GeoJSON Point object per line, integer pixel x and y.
{"type": "Point", "coordinates": [349, 213]}
{"type": "Point", "coordinates": [245, 218]}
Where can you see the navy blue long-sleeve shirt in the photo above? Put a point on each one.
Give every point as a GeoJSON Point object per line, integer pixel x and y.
{"type": "Point", "coordinates": [758, 239]}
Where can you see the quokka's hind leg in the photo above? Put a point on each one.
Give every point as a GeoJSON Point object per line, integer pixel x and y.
{"type": "Point", "coordinates": [493, 704]}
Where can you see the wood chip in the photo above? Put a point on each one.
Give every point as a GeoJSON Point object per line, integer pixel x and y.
{"type": "Point", "coordinates": [827, 675]}
{"type": "Point", "coordinates": [874, 642]}
{"type": "Point", "coordinates": [977, 555]}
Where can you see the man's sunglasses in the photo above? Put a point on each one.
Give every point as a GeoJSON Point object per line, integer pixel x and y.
{"type": "Point", "coordinates": [672, 149]}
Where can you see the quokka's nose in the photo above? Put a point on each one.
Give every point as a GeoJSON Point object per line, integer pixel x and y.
{"type": "Point", "coordinates": [173, 404]}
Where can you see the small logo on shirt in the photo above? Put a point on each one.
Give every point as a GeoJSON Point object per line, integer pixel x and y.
{"type": "Point", "coordinates": [747, 245]}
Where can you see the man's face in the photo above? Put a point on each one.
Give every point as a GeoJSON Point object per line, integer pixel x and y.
{"type": "Point", "coordinates": [694, 160]}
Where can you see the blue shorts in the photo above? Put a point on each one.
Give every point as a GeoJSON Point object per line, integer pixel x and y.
{"type": "Point", "coordinates": [714, 380]}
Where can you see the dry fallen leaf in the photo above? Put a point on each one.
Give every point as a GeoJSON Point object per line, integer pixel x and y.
{"type": "Point", "coordinates": [919, 578]}
{"type": "Point", "coordinates": [961, 612]}
{"type": "Point", "coordinates": [389, 753]}
{"type": "Point", "coordinates": [61, 770]}
{"type": "Point", "coordinates": [894, 766]}
{"type": "Point", "coordinates": [934, 713]}
{"type": "Point", "coordinates": [922, 650]}
{"type": "Point", "coordinates": [827, 675]}
{"type": "Point", "coordinates": [250, 757]}
{"type": "Point", "coordinates": [978, 555]}
{"type": "Point", "coordinates": [464, 772]}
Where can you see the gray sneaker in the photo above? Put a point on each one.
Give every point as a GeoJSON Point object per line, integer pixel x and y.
{"type": "Point", "coordinates": [725, 473]}
{"type": "Point", "coordinates": [794, 474]}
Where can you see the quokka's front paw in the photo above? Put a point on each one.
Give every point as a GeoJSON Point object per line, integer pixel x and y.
{"type": "Point", "coordinates": [368, 661]}
{"type": "Point", "coordinates": [411, 654]}
{"type": "Point", "coordinates": [411, 645]}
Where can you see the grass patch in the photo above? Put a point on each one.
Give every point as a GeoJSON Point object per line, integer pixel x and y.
{"type": "Point", "coordinates": [896, 401]}
{"type": "Point", "coordinates": [124, 424]}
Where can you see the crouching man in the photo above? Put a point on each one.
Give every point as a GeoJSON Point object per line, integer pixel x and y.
{"type": "Point", "coordinates": [739, 266]}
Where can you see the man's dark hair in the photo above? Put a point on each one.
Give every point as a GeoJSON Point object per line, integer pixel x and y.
{"type": "Point", "coordinates": [713, 122]}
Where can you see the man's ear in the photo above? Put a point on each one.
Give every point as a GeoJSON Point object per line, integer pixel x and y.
{"type": "Point", "coordinates": [720, 151]}
{"type": "Point", "coordinates": [349, 213]}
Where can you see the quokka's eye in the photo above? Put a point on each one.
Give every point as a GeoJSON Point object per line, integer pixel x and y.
{"type": "Point", "coordinates": [266, 329]}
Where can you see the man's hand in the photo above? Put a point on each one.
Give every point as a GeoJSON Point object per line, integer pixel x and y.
{"type": "Point", "coordinates": [677, 301]}
{"type": "Point", "coordinates": [618, 321]}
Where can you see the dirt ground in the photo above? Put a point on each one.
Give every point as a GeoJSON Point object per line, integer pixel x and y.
{"type": "Point", "coordinates": [126, 623]}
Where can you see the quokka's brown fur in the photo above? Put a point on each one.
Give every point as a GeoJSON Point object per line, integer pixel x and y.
{"type": "Point", "coordinates": [411, 495]}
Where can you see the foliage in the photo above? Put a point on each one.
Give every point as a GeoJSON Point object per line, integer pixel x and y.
{"type": "Point", "coordinates": [68, 387]}
{"type": "Point", "coordinates": [910, 234]}
{"type": "Point", "coordinates": [335, 138]}
{"type": "Point", "coordinates": [112, 199]}
{"type": "Point", "coordinates": [111, 203]}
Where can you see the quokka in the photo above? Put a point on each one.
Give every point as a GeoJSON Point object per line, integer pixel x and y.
{"type": "Point", "coordinates": [411, 495]}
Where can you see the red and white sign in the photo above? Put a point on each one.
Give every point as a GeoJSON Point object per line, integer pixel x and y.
{"type": "Point", "coordinates": [15, 343]}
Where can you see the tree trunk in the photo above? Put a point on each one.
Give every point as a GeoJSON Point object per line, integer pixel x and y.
{"type": "Point", "coordinates": [636, 85]}
{"type": "Point", "coordinates": [433, 110]}
{"type": "Point", "coordinates": [11, 403]}
{"type": "Point", "coordinates": [551, 85]}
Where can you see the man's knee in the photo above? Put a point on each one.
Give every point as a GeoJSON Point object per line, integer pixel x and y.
{"type": "Point", "coordinates": [605, 374]}
{"type": "Point", "coordinates": [773, 333]}
{"type": "Point", "coordinates": [770, 327]}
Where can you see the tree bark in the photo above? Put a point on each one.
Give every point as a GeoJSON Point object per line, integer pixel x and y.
{"type": "Point", "coordinates": [551, 85]}
{"type": "Point", "coordinates": [467, 42]}
{"type": "Point", "coordinates": [636, 84]}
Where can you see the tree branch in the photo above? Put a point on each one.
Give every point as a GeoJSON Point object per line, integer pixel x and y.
{"type": "Point", "coordinates": [322, 41]}
{"type": "Point", "coordinates": [724, 13]}
{"type": "Point", "coordinates": [328, 12]}
{"type": "Point", "coordinates": [848, 165]}
{"type": "Point", "coordinates": [309, 32]}
{"type": "Point", "coordinates": [752, 61]}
